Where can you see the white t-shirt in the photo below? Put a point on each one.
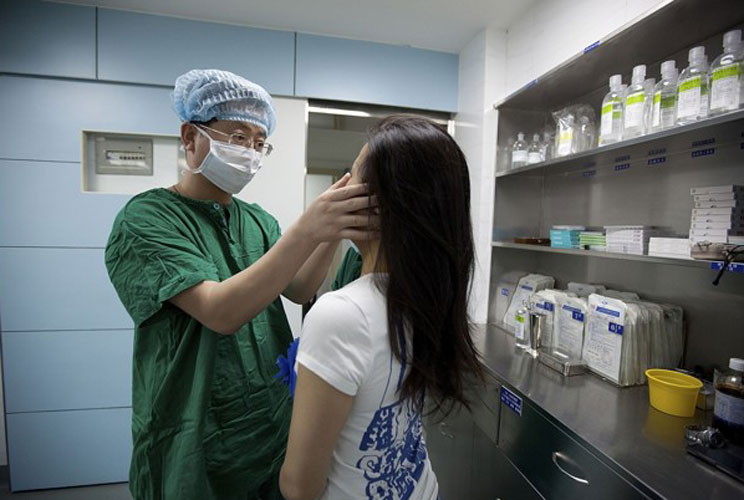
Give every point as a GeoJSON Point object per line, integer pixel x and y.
{"type": "Point", "coordinates": [381, 452]}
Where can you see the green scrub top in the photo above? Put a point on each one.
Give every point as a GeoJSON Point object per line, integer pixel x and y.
{"type": "Point", "coordinates": [349, 270]}
{"type": "Point", "coordinates": [209, 422]}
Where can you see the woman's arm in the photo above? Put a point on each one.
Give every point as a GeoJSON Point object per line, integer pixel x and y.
{"type": "Point", "coordinates": [318, 415]}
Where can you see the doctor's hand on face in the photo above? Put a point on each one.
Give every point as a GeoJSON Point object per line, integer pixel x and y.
{"type": "Point", "coordinates": [344, 211]}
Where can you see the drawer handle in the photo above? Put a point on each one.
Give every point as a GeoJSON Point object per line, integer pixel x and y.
{"type": "Point", "coordinates": [558, 455]}
{"type": "Point", "coordinates": [443, 426]}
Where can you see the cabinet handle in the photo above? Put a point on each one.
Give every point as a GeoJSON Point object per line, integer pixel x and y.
{"type": "Point", "coordinates": [558, 455]}
{"type": "Point", "coordinates": [443, 426]}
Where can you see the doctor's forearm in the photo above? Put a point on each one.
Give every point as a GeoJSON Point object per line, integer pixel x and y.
{"type": "Point", "coordinates": [308, 279]}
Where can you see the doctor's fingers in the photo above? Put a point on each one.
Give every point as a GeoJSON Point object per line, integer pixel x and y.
{"type": "Point", "coordinates": [360, 203]}
{"type": "Point", "coordinates": [346, 192]}
{"type": "Point", "coordinates": [363, 221]}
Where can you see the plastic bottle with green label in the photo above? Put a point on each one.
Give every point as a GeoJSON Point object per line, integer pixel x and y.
{"type": "Point", "coordinates": [726, 76]}
{"type": "Point", "coordinates": [522, 329]}
{"type": "Point", "coordinates": [692, 88]}
{"type": "Point", "coordinates": [635, 105]}
{"type": "Point", "coordinates": [665, 98]}
{"type": "Point", "coordinates": [611, 121]}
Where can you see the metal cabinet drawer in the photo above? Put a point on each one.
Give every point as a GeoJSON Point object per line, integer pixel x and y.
{"type": "Point", "coordinates": [449, 442]}
{"type": "Point", "coordinates": [557, 465]}
{"type": "Point", "coordinates": [494, 476]}
{"type": "Point", "coordinates": [485, 407]}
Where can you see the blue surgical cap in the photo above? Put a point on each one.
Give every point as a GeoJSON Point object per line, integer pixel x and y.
{"type": "Point", "coordinates": [203, 94]}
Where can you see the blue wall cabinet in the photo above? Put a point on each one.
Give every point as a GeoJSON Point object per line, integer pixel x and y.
{"type": "Point", "coordinates": [42, 205]}
{"type": "Point", "coordinates": [58, 289]}
{"type": "Point", "coordinates": [375, 73]}
{"type": "Point", "coordinates": [70, 448]}
{"type": "Point", "coordinates": [46, 38]}
{"type": "Point", "coordinates": [156, 49]}
{"type": "Point", "coordinates": [81, 369]}
{"type": "Point", "coordinates": [49, 115]}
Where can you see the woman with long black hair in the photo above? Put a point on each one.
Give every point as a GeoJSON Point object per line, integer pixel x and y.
{"type": "Point", "coordinates": [372, 352]}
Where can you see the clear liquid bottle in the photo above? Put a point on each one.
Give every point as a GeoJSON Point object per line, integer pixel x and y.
{"type": "Point", "coordinates": [692, 88]}
{"type": "Point", "coordinates": [534, 152]}
{"type": "Point", "coordinates": [522, 330]}
{"type": "Point", "coordinates": [546, 150]}
{"type": "Point", "coordinates": [648, 110]}
{"type": "Point", "coordinates": [664, 114]}
{"type": "Point", "coordinates": [727, 76]}
{"type": "Point", "coordinates": [587, 134]}
{"type": "Point", "coordinates": [635, 105]}
{"type": "Point", "coordinates": [519, 152]}
{"type": "Point", "coordinates": [611, 123]}
{"type": "Point", "coordinates": [728, 414]}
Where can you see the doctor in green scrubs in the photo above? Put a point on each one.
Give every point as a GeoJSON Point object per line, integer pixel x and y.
{"type": "Point", "coordinates": [200, 272]}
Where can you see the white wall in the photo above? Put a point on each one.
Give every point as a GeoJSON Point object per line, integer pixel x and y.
{"type": "Point", "coordinates": [496, 63]}
{"type": "Point", "coordinates": [279, 187]}
{"type": "Point", "coordinates": [552, 31]}
{"type": "Point", "coordinates": [482, 81]}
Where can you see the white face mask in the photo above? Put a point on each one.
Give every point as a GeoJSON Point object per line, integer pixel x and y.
{"type": "Point", "coordinates": [228, 166]}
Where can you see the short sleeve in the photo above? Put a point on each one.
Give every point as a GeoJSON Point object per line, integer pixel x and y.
{"type": "Point", "coordinates": [335, 343]}
{"type": "Point", "coordinates": [149, 261]}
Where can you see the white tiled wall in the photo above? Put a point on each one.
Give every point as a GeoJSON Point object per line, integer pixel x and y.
{"type": "Point", "coordinates": [551, 31]}
{"type": "Point", "coordinates": [482, 81]}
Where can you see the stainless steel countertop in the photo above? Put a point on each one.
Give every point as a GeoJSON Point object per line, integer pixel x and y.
{"type": "Point", "coordinates": [616, 424]}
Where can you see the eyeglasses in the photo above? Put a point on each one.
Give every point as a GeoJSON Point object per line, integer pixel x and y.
{"type": "Point", "coordinates": [241, 139]}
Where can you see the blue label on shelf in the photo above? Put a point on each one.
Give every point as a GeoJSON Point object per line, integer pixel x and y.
{"type": "Point", "coordinates": [734, 267]}
{"type": "Point", "coordinates": [657, 152]}
{"type": "Point", "coordinates": [589, 173]}
{"type": "Point", "coordinates": [703, 152]}
{"type": "Point", "coordinates": [608, 311]}
{"type": "Point", "coordinates": [618, 159]}
{"type": "Point", "coordinates": [618, 329]}
{"type": "Point", "coordinates": [590, 164]}
{"type": "Point", "coordinates": [591, 47]}
{"type": "Point", "coordinates": [622, 166]}
{"type": "Point", "coordinates": [546, 306]}
{"type": "Point", "coordinates": [511, 400]}
{"type": "Point", "coordinates": [710, 140]}
{"type": "Point", "coordinates": [656, 161]}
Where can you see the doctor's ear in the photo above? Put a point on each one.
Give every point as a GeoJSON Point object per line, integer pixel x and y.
{"type": "Point", "coordinates": [188, 137]}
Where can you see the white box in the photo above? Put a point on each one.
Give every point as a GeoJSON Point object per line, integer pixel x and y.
{"type": "Point", "coordinates": [718, 197]}
{"type": "Point", "coordinates": [734, 219]}
{"type": "Point", "coordinates": [731, 188]}
{"type": "Point", "coordinates": [732, 226]}
{"type": "Point", "coordinates": [731, 212]}
{"type": "Point", "coordinates": [716, 204]}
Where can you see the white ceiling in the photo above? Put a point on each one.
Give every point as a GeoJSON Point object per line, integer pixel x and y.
{"type": "Point", "coordinates": [445, 25]}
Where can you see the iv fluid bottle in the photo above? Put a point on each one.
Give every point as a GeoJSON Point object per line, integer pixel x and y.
{"type": "Point", "coordinates": [611, 124]}
{"type": "Point", "coordinates": [519, 152]}
{"type": "Point", "coordinates": [665, 98]}
{"type": "Point", "coordinates": [727, 76]}
{"type": "Point", "coordinates": [635, 105]}
{"type": "Point", "coordinates": [534, 152]}
{"type": "Point", "coordinates": [692, 89]}
{"type": "Point", "coordinates": [522, 330]}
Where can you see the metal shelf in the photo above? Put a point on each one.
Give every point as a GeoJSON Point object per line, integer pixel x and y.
{"type": "Point", "coordinates": [672, 27]}
{"type": "Point", "coordinates": [606, 154]}
{"type": "Point", "coordinates": [700, 264]}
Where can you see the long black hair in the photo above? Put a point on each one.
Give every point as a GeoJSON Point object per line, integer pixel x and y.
{"type": "Point", "coordinates": [420, 177]}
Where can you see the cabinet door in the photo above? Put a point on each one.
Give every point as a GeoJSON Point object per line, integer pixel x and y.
{"type": "Point", "coordinates": [558, 466]}
{"type": "Point", "coordinates": [449, 442]}
{"type": "Point", "coordinates": [494, 477]}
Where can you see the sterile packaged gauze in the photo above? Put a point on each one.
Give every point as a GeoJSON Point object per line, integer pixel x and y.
{"type": "Point", "coordinates": [545, 302]}
{"type": "Point", "coordinates": [504, 292]}
{"type": "Point", "coordinates": [570, 321]}
{"type": "Point", "coordinates": [603, 345]}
